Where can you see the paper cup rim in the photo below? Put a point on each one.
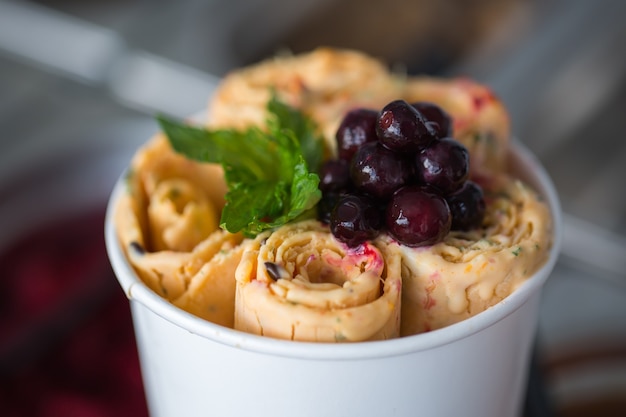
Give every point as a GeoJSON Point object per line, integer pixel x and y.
{"type": "Point", "coordinates": [137, 291]}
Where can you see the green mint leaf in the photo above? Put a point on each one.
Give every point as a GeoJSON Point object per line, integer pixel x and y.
{"type": "Point", "coordinates": [288, 118]}
{"type": "Point", "coordinates": [270, 174]}
{"type": "Point", "coordinates": [281, 204]}
{"type": "Point", "coordinates": [305, 192]}
{"type": "Point", "coordinates": [250, 204]}
{"type": "Point", "coordinates": [223, 147]}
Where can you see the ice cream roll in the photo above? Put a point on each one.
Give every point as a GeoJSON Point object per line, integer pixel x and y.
{"type": "Point", "coordinates": [167, 223]}
{"type": "Point", "coordinates": [300, 283]}
{"type": "Point", "coordinates": [471, 271]}
{"type": "Point", "coordinates": [324, 83]}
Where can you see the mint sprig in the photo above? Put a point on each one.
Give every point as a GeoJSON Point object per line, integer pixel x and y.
{"type": "Point", "coordinates": [270, 174]}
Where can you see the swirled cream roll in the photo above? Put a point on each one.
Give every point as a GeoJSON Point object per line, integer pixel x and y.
{"type": "Point", "coordinates": [324, 83]}
{"type": "Point", "coordinates": [471, 271]}
{"type": "Point", "coordinates": [170, 202]}
{"type": "Point", "coordinates": [300, 283]}
{"type": "Point", "coordinates": [167, 223]}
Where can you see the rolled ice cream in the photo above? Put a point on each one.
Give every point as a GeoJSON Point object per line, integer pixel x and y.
{"type": "Point", "coordinates": [296, 281]}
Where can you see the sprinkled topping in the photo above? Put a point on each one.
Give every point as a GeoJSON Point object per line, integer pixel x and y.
{"type": "Point", "coordinates": [137, 248]}
{"type": "Point", "coordinates": [275, 271]}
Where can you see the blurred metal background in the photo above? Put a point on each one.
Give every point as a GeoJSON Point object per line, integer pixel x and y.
{"type": "Point", "coordinates": [89, 75]}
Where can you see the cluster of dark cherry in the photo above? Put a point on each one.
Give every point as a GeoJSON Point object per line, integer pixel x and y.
{"type": "Point", "coordinates": [399, 170]}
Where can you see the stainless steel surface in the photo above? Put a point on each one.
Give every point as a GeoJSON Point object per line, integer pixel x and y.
{"type": "Point", "coordinates": [80, 74]}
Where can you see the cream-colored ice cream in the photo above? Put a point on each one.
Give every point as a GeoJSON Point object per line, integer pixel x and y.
{"type": "Point", "coordinates": [325, 84]}
{"type": "Point", "coordinates": [318, 289]}
{"type": "Point", "coordinates": [300, 283]}
{"type": "Point", "coordinates": [471, 271]}
{"type": "Point", "coordinates": [167, 222]}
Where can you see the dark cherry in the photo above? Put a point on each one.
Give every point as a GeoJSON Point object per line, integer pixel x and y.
{"type": "Point", "coordinates": [467, 206]}
{"type": "Point", "coordinates": [326, 206]}
{"type": "Point", "coordinates": [334, 176]}
{"type": "Point", "coordinates": [443, 164]}
{"type": "Point", "coordinates": [355, 219]}
{"type": "Point", "coordinates": [378, 171]}
{"type": "Point", "coordinates": [439, 121]}
{"type": "Point", "coordinates": [401, 128]}
{"type": "Point", "coordinates": [356, 128]}
{"type": "Point", "coordinates": [418, 216]}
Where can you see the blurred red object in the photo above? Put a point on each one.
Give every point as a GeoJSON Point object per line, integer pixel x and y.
{"type": "Point", "coordinates": [67, 345]}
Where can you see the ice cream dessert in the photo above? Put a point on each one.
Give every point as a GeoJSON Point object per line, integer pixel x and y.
{"type": "Point", "coordinates": [167, 222]}
{"type": "Point", "coordinates": [300, 283]}
{"type": "Point", "coordinates": [327, 199]}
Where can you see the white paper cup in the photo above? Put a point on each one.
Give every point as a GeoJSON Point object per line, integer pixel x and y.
{"type": "Point", "coordinates": [475, 368]}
